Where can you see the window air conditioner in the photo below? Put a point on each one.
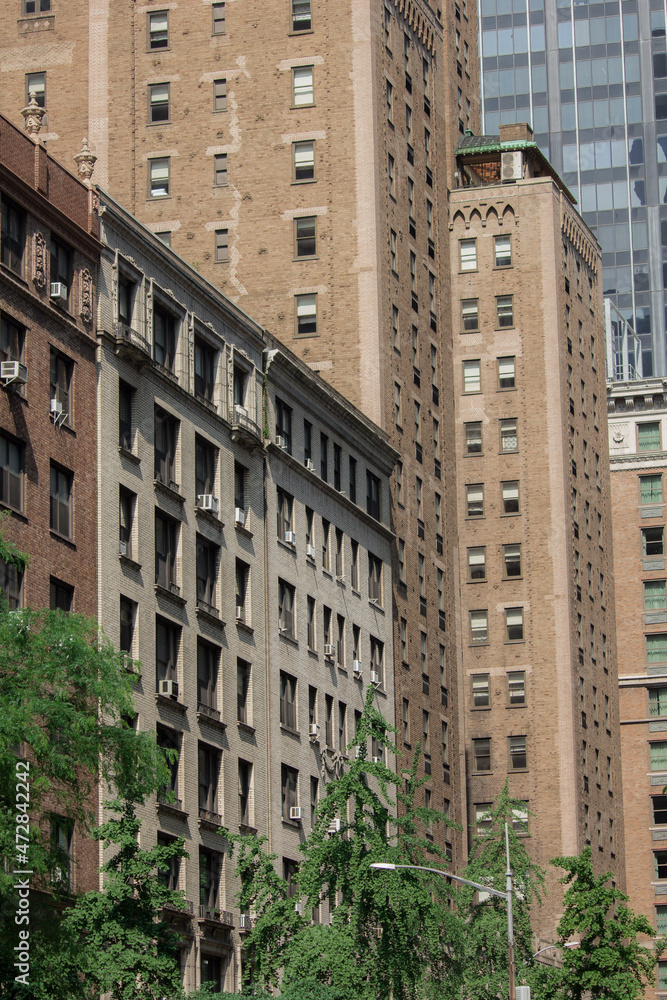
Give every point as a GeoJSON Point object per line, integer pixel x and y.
{"type": "Point", "coordinates": [329, 650]}
{"type": "Point", "coordinates": [13, 371]}
{"type": "Point", "coordinates": [334, 826]}
{"type": "Point", "coordinates": [298, 907]}
{"type": "Point", "coordinates": [313, 729]}
{"type": "Point", "coordinates": [295, 812]}
{"type": "Point", "coordinates": [240, 613]}
{"type": "Point", "coordinates": [357, 667]}
{"type": "Point", "coordinates": [376, 760]}
{"type": "Point", "coordinates": [208, 502]}
{"type": "Point", "coordinates": [310, 465]}
{"type": "Point", "coordinates": [239, 516]}
{"type": "Point", "coordinates": [245, 921]}
{"type": "Point", "coordinates": [310, 551]}
{"type": "Point", "coordinates": [290, 537]}
{"type": "Point", "coordinates": [357, 752]}
{"type": "Point", "coordinates": [58, 291]}
{"type": "Point", "coordinates": [168, 688]}
{"type": "Point", "coordinates": [56, 408]}
{"type": "Point", "coordinates": [122, 547]}
{"type": "Point", "coordinates": [280, 441]}
{"type": "Point", "coordinates": [375, 677]}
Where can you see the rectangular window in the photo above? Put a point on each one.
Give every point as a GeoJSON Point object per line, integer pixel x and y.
{"type": "Point", "coordinates": [648, 436]}
{"type": "Point", "coordinates": [656, 648]}
{"type": "Point", "coordinates": [389, 95]}
{"type": "Point", "coordinates": [342, 726]}
{"type": "Point", "coordinates": [471, 376]}
{"type": "Point", "coordinates": [303, 161]}
{"type": "Point", "coordinates": [510, 497]}
{"type": "Point", "coordinates": [288, 700]}
{"type": "Point", "coordinates": [209, 772]}
{"type": "Point", "coordinates": [377, 658]}
{"type": "Point", "coordinates": [36, 6]}
{"type": "Point", "coordinates": [304, 236]}
{"type": "Point", "coordinates": [166, 436]}
{"type": "Point", "coordinates": [374, 579]}
{"type": "Point", "coordinates": [35, 83]}
{"type": "Point", "coordinates": [468, 255]}
{"type": "Point", "coordinates": [221, 246]}
{"type": "Point", "coordinates": [167, 642]}
{"type": "Point", "coordinates": [475, 500]}
{"type": "Point", "coordinates": [354, 548]}
{"type": "Point", "coordinates": [518, 755]}
{"type": "Point", "coordinates": [61, 595]}
{"type": "Point", "coordinates": [311, 623]}
{"type": "Point", "coordinates": [372, 495]}
{"type": "Point", "coordinates": [242, 575]}
{"type": "Point", "coordinates": [481, 749]}
{"type": "Point", "coordinates": [506, 373]}
{"type": "Point", "coordinates": [661, 874]}
{"type": "Point", "coordinates": [326, 545]}
{"type": "Point", "coordinates": [653, 542]}
{"type": "Point", "coordinates": [339, 567]}
{"type": "Point", "coordinates": [505, 310]}
{"type": "Point", "coordinates": [477, 563]}
{"type": "Point", "coordinates": [661, 923]}
{"type": "Point", "coordinates": [220, 95]}
{"type": "Point", "coordinates": [158, 103]}
{"type": "Point", "coordinates": [245, 793]}
{"type": "Point", "coordinates": [503, 251]}
{"type": "Point", "coordinates": [401, 560]}
{"type": "Point", "coordinates": [126, 504]}
{"type": "Point", "coordinates": [301, 15]}
{"type": "Point", "coordinates": [470, 315]}
{"type": "Point", "coordinates": [306, 315]}
{"type": "Point", "coordinates": [208, 557]}
{"type": "Point", "coordinates": [473, 438]}
{"type": "Point", "coordinates": [218, 18]}
{"type": "Point", "coordinates": [284, 424]}
{"type": "Point", "coordinates": [243, 702]}
{"type": "Point", "coordinates": [511, 561]}
{"type": "Point", "coordinates": [158, 177]}
{"type": "Point", "coordinates": [125, 406]}
{"type": "Point", "coordinates": [514, 624]}
{"type": "Point", "coordinates": [479, 632]}
{"type": "Point", "coordinates": [657, 701]}
{"type": "Point", "coordinates": [328, 720]}
{"type": "Point", "coordinates": [655, 595]}
{"type": "Point", "coordinates": [166, 548]}
{"type": "Point", "coordinates": [205, 366]}
{"type": "Point", "coordinates": [61, 370]}
{"type": "Point", "coordinates": [658, 753]}
{"type": "Point", "coordinates": [164, 338]}
{"type": "Point", "coordinates": [286, 593]}
{"type": "Point", "coordinates": [480, 691]}
{"type": "Point", "coordinates": [62, 834]}
{"type": "Point", "coordinates": [391, 176]}
{"type": "Point", "coordinates": [13, 473]}
{"type": "Point", "coordinates": [650, 489]}
{"type": "Point", "coordinates": [516, 687]}
{"type": "Point", "coordinates": [11, 584]}
{"type": "Point", "coordinates": [158, 30]}
{"type": "Point", "coordinates": [61, 501]}
{"type": "Point", "coordinates": [302, 86]}
{"type": "Point", "coordinates": [285, 512]}
{"type": "Point", "coordinates": [220, 169]}
{"type": "Point", "coordinates": [508, 435]}
{"type": "Point", "coordinates": [208, 662]}
{"type": "Point", "coordinates": [12, 239]}
{"type": "Point", "coordinates": [289, 789]}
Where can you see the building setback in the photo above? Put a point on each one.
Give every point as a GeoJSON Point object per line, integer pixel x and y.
{"type": "Point", "coordinates": [48, 265]}
{"type": "Point", "coordinates": [535, 561]}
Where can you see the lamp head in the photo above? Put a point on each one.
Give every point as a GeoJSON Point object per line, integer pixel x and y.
{"type": "Point", "coordinates": [385, 865]}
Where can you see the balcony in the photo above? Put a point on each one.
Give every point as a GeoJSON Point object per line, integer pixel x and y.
{"type": "Point", "coordinates": [245, 431]}
{"type": "Point", "coordinates": [131, 344]}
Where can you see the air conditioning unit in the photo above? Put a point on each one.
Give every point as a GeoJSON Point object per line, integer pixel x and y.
{"type": "Point", "coordinates": [329, 650]}
{"type": "Point", "coordinates": [313, 729]}
{"type": "Point", "coordinates": [168, 688]}
{"type": "Point", "coordinates": [239, 516]}
{"type": "Point", "coordinates": [208, 502]}
{"type": "Point", "coordinates": [357, 752]}
{"type": "Point", "coordinates": [522, 992]}
{"type": "Point", "coordinates": [375, 601]}
{"type": "Point", "coordinates": [340, 578]}
{"type": "Point", "coordinates": [295, 813]}
{"type": "Point", "coordinates": [310, 465]}
{"type": "Point", "coordinates": [334, 826]}
{"type": "Point", "coordinates": [245, 922]}
{"type": "Point", "coordinates": [310, 551]}
{"type": "Point", "coordinates": [280, 441]}
{"type": "Point", "coordinates": [281, 625]}
{"type": "Point", "coordinates": [55, 408]}
{"type": "Point", "coordinates": [122, 547]}
{"type": "Point", "coordinates": [240, 613]}
{"type": "Point", "coordinates": [13, 371]}
{"type": "Point", "coordinates": [58, 291]}
{"type": "Point", "coordinates": [290, 537]}
{"type": "Point", "coordinates": [511, 166]}
{"type": "Point", "coordinates": [298, 908]}
{"type": "Point", "coordinates": [357, 667]}
{"type": "Point", "coordinates": [376, 760]}
{"type": "Point", "coordinates": [375, 677]}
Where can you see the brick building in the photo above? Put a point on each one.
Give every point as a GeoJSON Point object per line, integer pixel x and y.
{"type": "Point", "coordinates": [534, 513]}
{"type": "Point", "coordinates": [50, 251]}
{"type": "Point", "coordinates": [636, 413]}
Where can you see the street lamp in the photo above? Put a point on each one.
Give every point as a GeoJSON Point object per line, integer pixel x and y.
{"type": "Point", "coordinates": [507, 896]}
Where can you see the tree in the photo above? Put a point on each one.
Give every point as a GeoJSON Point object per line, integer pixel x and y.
{"type": "Point", "coordinates": [609, 962]}
{"type": "Point", "coordinates": [389, 932]}
{"type": "Point", "coordinates": [485, 952]}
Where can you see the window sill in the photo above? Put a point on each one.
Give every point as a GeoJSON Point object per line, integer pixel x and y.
{"type": "Point", "coordinates": [300, 107]}
{"type": "Point", "coordinates": [210, 716]}
{"type": "Point", "coordinates": [168, 490]}
{"type": "Point", "coordinates": [289, 731]}
{"type": "Point", "coordinates": [158, 197]}
{"type": "Point", "coordinates": [14, 512]}
{"type": "Point", "coordinates": [244, 627]}
{"type": "Point", "coordinates": [517, 770]}
{"type": "Point", "coordinates": [174, 808]}
{"type": "Point", "coordinates": [129, 455]}
{"type": "Point", "coordinates": [480, 708]}
{"type": "Point", "coordinates": [212, 519]}
{"type": "Point", "coordinates": [405, 664]}
{"type": "Point", "coordinates": [514, 642]}
{"type": "Point", "coordinates": [129, 562]}
{"type": "Point", "coordinates": [512, 707]}
{"type": "Point", "coordinates": [476, 773]}
{"type": "Point", "coordinates": [502, 329]}
{"type": "Point", "coordinates": [161, 699]}
{"type": "Point", "coordinates": [309, 256]}
{"type": "Point", "coordinates": [210, 615]}
{"type": "Point", "coordinates": [376, 606]}
{"type": "Point", "coordinates": [158, 124]}
{"type": "Point", "coordinates": [293, 824]}
{"type": "Point", "coordinates": [62, 538]}
{"type": "Point", "coordinates": [165, 592]}
{"type": "Point", "coordinates": [475, 517]}
{"type": "Point", "coordinates": [289, 546]}
{"type": "Point", "coordinates": [473, 454]}
{"type": "Point", "coordinates": [289, 639]}
{"type": "Point", "coordinates": [477, 581]}
{"type": "Point", "coordinates": [509, 579]}
{"type": "Point", "coordinates": [305, 180]}
{"type": "Point", "coordinates": [247, 829]}
{"type": "Point", "coordinates": [327, 572]}
{"type": "Point", "coordinates": [242, 530]}
{"type": "Point", "coordinates": [476, 645]}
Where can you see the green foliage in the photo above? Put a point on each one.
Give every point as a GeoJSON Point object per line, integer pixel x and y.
{"type": "Point", "coordinates": [389, 931]}
{"type": "Point", "coordinates": [609, 962]}
{"type": "Point", "coordinates": [126, 948]}
{"type": "Point", "coordinates": [485, 954]}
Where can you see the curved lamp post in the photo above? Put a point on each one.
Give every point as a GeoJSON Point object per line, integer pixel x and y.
{"type": "Point", "coordinates": [507, 896]}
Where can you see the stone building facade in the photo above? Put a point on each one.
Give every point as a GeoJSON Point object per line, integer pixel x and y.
{"type": "Point", "coordinates": [209, 583]}
{"type": "Point", "coordinates": [48, 265]}
{"type": "Point", "coordinates": [534, 515]}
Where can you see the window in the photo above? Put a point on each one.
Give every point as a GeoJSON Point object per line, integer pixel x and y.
{"type": "Point", "coordinates": [12, 240]}
{"type": "Point", "coordinates": [303, 161]}
{"type": "Point", "coordinates": [374, 579]}
{"type": "Point", "coordinates": [659, 807]}
{"type": "Point", "coordinates": [221, 246]}
{"type": "Point", "coordinates": [339, 567]}
{"type": "Point", "coordinates": [475, 500]}
{"type": "Point", "coordinates": [220, 95]}
{"type": "Point", "coordinates": [473, 438]}
{"type": "Point", "coordinates": [352, 468]}
{"type": "Point", "coordinates": [354, 546]}
{"type": "Point", "coordinates": [324, 458]}
{"type": "Point", "coordinates": [218, 18]}
{"type": "Point", "coordinates": [209, 884]}
{"type": "Point", "coordinates": [479, 627]}
{"type": "Point", "coordinates": [661, 873]}
{"type": "Point", "coordinates": [508, 435]}
{"type": "Point", "coordinates": [12, 471]}
{"type": "Point", "coordinates": [511, 561]}
{"type": "Point", "coordinates": [658, 753]}
{"type": "Point", "coordinates": [468, 255]}
{"type": "Point", "coordinates": [653, 541]}
{"type": "Point", "coordinates": [417, 416]}
{"type": "Point", "coordinates": [648, 436]}
{"type": "Point", "coordinates": [311, 623]}
{"type": "Point", "coordinates": [391, 176]}
{"type": "Point", "coordinates": [326, 540]}
{"type": "Point", "coordinates": [166, 435]}
{"type": "Point", "coordinates": [661, 920]}
{"type": "Point", "coordinates": [158, 30]}
{"type": "Point", "coordinates": [242, 592]}
{"type": "Point", "coordinates": [243, 703]}
{"type": "Point", "coordinates": [168, 872]}
{"type": "Point", "coordinates": [421, 574]}
{"type": "Point", "coordinates": [61, 596]}
{"type": "Point", "coordinates": [36, 6]}
{"type": "Point", "coordinates": [62, 833]}
{"type": "Point", "coordinates": [328, 721]}
{"type": "Point", "coordinates": [477, 563]}
{"type": "Point", "coordinates": [164, 338]}
{"type": "Point", "coordinates": [209, 773]}
{"type": "Point", "coordinates": [650, 489]}
{"type": "Point", "coordinates": [301, 15]}
{"type": "Point", "coordinates": [517, 749]}
{"type": "Point", "coordinates": [506, 373]}
{"type": "Point", "coordinates": [288, 700]}
{"type": "Point", "coordinates": [505, 310]}
{"type": "Point", "coordinates": [167, 642]}
{"type": "Point", "coordinates": [284, 424]}
{"type": "Point", "coordinates": [158, 177]}
{"type": "Point", "coordinates": [125, 406]}
{"type": "Point", "coordinates": [657, 701]}
{"type": "Point", "coordinates": [35, 83]}
{"type": "Point", "coordinates": [481, 749]}
{"type": "Point", "coordinates": [208, 661]}
{"type": "Point", "coordinates": [392, 250]}
{"type": "Point", "coordinates": [516, 687]}
{"type": "Point", "coordinates": [514, 624]}
{"type": "Point", "coordinates": [372, 495]}
{"type": "Point", "coordinates": [342, 726]}
{"type": "Point", "coordinates": [401, 560]}
{"type": "Point", "coordinates": [11, 584]}
{"type": "Point", "coordinates": [208, 556]}
{"type": "Point", "coordinates": [404, 640]}
{"type": "Point", "coordinates": [61, 370]}
{"type": "Point", "coordinates": [306, 315]}
{"type": "Point", "coordinates": [126, 505]}
{"type": "Point", "coordinates": [470, 315]}
{"type": "Point", "coordinates": [166, 546]}
{"type": "Point", "coordinates": [471, 376]}
{"type": "Point", "coordinates": [399, 483]}
{"type": "Point", "coordinates": [205, 365]}
{"type": "Point", "coordinates": [377, 658]}
{"type": "Point", "coordinates": [503, 251]}
{"type": "Point", "coordinates": [656, 648]}
{"type": "Point", "coordinates": [302, 86]}
{"type": "Point", "coordinates": [510, 497]}
{"type": "Point", "coordinates": [483, 821]}
{"type": "Point", "coordinates": [655, 596]}
{"type": "Point", "coordinates": [286, 594]}
{"type": "Point", "coordinates": [398, 418]}
{"type": "Point", "coordinates": [425, 733]}
{"type": "Point", "coordinates": [285, 507]}
{"type": "Point", "coordinates": [61, 500]}
{"type": "Point", "coordinates": [304, 236]}
{"type": "Point", "coordinates": [389, 94]}
{"type": "Point", "coordinates": [245, 791]}
{"type": "Point", "coordinates": [480, 691]}
{"type": "Point", "coordinates": [158, 103]}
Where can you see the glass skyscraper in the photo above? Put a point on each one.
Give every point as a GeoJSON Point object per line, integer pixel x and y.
{"type": "Point", "coordinates": [591, 78]}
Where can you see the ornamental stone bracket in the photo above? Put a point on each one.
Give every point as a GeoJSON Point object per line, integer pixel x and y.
{"type": "Point", "coordinates": [39, 276]}
{"type": "Point", "coordinates": [85, 163]}
{"type": "Point", "coordinates": [32, 116]}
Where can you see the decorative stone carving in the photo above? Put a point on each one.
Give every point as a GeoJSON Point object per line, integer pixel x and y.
{"type": "Point", "coordinates": [85, 162]}
{"type": "Point", "coordinates": [39, 277]}
{"type": "Point", "coordinates": [32, 116]}
{"type": "Point", "coordinates": [86, 296]}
